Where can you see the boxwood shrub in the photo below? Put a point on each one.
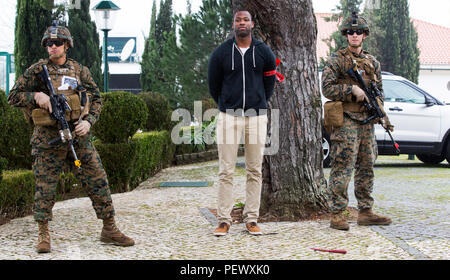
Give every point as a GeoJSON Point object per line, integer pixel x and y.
{"type": "Point", "coordinates": [123, 113]}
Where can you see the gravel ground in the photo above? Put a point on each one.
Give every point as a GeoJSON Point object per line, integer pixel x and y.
{"type": "Point", "coordinates": [168, 223]}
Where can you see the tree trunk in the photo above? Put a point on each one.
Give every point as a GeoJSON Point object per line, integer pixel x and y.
{"type": "Point", "coordinates": [294, 186]}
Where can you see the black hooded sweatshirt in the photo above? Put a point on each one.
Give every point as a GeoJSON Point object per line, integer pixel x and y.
{"type": "Point", "coordinates": [238, 82]}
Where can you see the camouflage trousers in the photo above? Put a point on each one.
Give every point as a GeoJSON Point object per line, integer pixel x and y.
{"type": "Point", "coordinates": [47, 167]}
{"type": "Point", "coordinates": [353, 148]}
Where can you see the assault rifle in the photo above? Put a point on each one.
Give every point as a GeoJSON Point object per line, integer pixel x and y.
{"type": "Point", "coordinates": [59, 107]}
{"type": "Point", "coordinates": [371, 103]}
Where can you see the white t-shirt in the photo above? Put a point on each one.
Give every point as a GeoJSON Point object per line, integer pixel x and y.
{"type": "Point", "coordinates": [243, 50]}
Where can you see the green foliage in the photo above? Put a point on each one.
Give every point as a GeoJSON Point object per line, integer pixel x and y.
{"type": "Point", "coordinates": [32, 19]}
{"type": "Point", "coordinates": [150, 56]}
{"type": "Point", "coordinates": [15, 136]}
{"type": "Point", "coordinates": [3, 164]}
{"type": "Point", "coordinates": [199, 139]}
{"type": "Point", "coordinates": [395, 39]}
{"type": "Point", "coordinates": [199, 34]}
{"type": "Point", "coordinates": [159, 112]}
{"type": "Point", "coordinates": [16, 192]}
{"type": "Point", "coordinates": [128, 164]}
{"type": "Point", "coordinates": [156, 73]}
{"type": "Point", "coordinates": [342, 11]}
{"type": "Point", "coordinates": [168, 82]}
{"type": "Point", "coordinates": [117, 159]}
{"type": "Point", "coordinates": [122, 115]}
{"type": "Point", "coordinates": [157, 144]}
{"type": "Point", "coordinates": [86, 41]}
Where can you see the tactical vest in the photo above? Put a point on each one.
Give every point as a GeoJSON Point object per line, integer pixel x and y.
{"type": "Point", "coordinates": [334, 110]}
{"type": "Point", "coordinates": [65, 80]}
{"type": "Point", "coordinates": [365, 64]}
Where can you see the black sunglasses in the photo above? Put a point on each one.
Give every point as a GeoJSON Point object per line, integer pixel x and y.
{"type": "Point", "coordinates": [57, 43]}
{"type": "Point", "coordinates": [351, 31]}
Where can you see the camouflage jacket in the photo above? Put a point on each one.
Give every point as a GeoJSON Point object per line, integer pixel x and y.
{"type": "Point", "coordinates": [22, 94]}
{"type": "Point", "coordinates": [337, 84]}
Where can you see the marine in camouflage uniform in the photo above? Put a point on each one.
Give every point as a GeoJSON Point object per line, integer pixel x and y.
{"type": "Point", "coordinates": [353, 144]}
{"type": "Point", "coordinates": [75, 82]}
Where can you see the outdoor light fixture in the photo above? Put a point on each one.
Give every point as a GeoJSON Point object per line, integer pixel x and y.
{"type": "Point", "coordinates": [105, 15]}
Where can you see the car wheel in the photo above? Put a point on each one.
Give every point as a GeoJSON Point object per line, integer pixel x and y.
{"type": "Point", "coordinates": [326, 145]}
{"type": "Point", "coordinates": [430, 159]}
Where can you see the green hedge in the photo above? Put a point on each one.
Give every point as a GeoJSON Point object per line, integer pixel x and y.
{"type": "Point", "coordinates": [128, 164]}
{"type": "Point", "coordinates": [118, 162]}
{"type": "Point", "coordinates": [159, 111]}
{"type": "Point", "coordinates": [18, 187]}
{"type": "Point", "coordinates": [15, 136]}
{"type": "Point", "coordinates": [16, 192]}
{"type": "Point", "coordinates": [159, 146]}
{"type": "Point", "coordinates": [3, 164]}
{"type": "Point", "coordinates": [123, 113]}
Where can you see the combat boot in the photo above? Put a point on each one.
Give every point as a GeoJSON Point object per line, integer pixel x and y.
{"type": "Point", "coordinates": [367, 218]}
{"type": "Point", "coordinates": [43, 238]}
{"type": "Point", "coordinates": [111, 234]}
{"type": "Point", "coordinates": [338, 221]}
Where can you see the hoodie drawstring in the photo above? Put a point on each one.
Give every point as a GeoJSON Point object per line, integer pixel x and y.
{"type": "Point", "coordinates": [232, 57]}
{"type": "Point", "coordinates": [254, 63]}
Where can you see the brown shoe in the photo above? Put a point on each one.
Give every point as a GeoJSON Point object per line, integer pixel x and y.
{"type": "Point", "coordinates": [253, 228]}
{"type": "Point", "coordinates": [43, 238]}
{"type": "Point", "coordinates": [338, 221]}
{"type": "Point", "coordinates": [367, 218]}
{"type": "Point", "coordinates": [111, 234]}
{"type": "Point", "coordinates": [222, 229]}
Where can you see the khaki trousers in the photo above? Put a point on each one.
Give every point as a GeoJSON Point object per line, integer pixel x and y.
{"type": "Point", "coordinates": [230, 130]}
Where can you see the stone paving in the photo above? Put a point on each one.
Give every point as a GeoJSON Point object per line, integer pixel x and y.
{"type": "Point", "coordinates": [167, 223]}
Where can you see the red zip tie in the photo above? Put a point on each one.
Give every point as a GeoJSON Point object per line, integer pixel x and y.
{"type": "Point", "coordinates": [279, 76]}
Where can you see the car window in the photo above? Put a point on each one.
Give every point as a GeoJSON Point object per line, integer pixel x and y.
{"type": "Point", "coordinates": [396, 91]}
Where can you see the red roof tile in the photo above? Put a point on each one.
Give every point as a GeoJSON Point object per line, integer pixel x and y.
{"type": "Point", "coordinates": [324, 30]}
{"type": "Point", "coordinates": [434, 40]}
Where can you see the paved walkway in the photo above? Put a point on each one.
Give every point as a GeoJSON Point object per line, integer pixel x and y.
{"type": "Point", "coordinates": [168, 223]}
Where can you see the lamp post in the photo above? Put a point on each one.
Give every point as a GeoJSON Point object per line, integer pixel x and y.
{"type": "Point", "coordinates": [105, 14]}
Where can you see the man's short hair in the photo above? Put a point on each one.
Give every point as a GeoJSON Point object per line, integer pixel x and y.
{"type": "Point", "coordinates": [237, 11]}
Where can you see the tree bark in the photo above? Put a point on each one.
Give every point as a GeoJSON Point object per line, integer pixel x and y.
{"type": "Point", "coordinates": [294, 186]}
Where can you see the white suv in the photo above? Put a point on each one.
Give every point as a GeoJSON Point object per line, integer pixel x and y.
{"type": "Point", "coordinates": [421, 122]}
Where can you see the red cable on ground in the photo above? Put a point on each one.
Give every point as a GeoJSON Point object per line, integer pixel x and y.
{"type": "Point", "coordinates": [331, 251]}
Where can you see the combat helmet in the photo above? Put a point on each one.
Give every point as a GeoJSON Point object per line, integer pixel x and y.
{"type": "Point", "coordinates": [56, 31]}
{"type": "Point", "coordinates": [354, 22]}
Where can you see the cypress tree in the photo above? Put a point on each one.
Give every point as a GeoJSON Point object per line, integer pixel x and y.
{"type": "Point", "coordinates": [200, 33]}
{"type": "Point", "coordinates": [163, 23]}
{"type": "Point", "coordinates": [155, 75]}
{"type": "Point", "coordinates": [32, 19]}
{"type": "Point", "coordinates": [149, 56]}
{"type": "Point", "coordinates": [170, 68]}
{"type": "Point", "coordinates": [398, 49]}
{"type": "Point", "coordinates": [86, 41]}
